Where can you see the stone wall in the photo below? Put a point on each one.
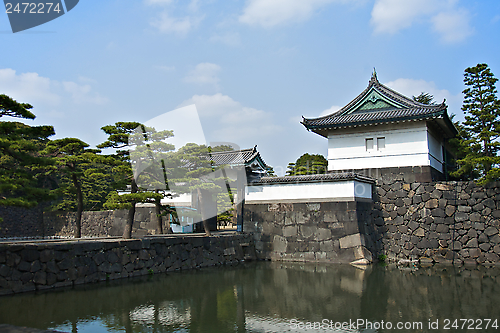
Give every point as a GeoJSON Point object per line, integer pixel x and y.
{"type": "Point", "coordinates": [440, 221]}
{"type": "Point", "coordinates": [40, 266]}
{"type": "Point", "coordinates": [316, 231]}
{"type": "Point", "coordinates": [31, 225]}
{"type": "Point", "coordinates": [22, 222]}
{"type": "Point", "coordinates": [101, 223]}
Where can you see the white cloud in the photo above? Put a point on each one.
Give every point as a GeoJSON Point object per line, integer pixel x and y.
{"type": "Point", "coordinates": [269, 13]}
{"type": "Point", "coordinates": [28, 87]}
{"type": "Point", "coordinates": [452, 23]}
{"type": "Point", "coordinates": [46, 94]}
{"type": "Point", "coordinates": [181, 26]}
{"type": "Point", "coordinates": [453, 26]}
{"type": "Point", "coordinates": [331, 110]}
{"type": "Point", "coordinates": [227, 120]}
{"type": "Point", "coordinates": [204, 73]}
{"type": "Point", "coordinates": [411, 87]}
{"type": "Point", "coordinates": [82, 93]}
{"type": "Point", "coordinates": [390, 16]}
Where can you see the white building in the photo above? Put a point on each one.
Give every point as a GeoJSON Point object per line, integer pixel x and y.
{"type": "Point", "coordinates": [381, 129]}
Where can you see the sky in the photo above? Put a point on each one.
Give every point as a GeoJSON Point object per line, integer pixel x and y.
{"type": "Point", "coordinates": [253, 68]}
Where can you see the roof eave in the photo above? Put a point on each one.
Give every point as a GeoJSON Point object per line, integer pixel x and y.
{"type": "Point", "coordinates": [429, 116]}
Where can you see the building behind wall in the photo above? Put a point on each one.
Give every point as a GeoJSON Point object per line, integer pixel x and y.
{"type": "Point", "coordinates": [381, 130]}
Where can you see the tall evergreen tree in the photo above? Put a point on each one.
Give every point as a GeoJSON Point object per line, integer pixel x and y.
{"type": "Point", "coordinates": [124, 137]}
{"type": "Point", "coordinates": [79, 166]}
{"type": "Point", "coordinates": [482, 124]}
{"type": "Point", "coordinates": [22, 176]}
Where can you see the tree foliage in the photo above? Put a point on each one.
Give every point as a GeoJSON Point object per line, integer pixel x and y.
{"type": "Point", "coordinates": [481, 129]}
{"type": "Point", "coordinates": [308, 164]}
{"type": "Point", "coordinates": [78, 170]}
{"type": "Point", "coordinates": [424, 98]}
{"type": "Point", "coordinates": [128, 139]}
{"type": "Point", "coordinates": [23, 181]}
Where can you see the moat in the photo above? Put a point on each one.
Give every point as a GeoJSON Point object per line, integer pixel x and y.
{"type": "Point", "coordinates": [271, 297]}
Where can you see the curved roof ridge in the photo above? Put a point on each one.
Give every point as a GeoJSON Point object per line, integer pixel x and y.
{"type": "Point", "coordinates": [381, 88]}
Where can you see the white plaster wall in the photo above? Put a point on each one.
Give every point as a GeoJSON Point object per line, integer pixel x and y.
{"type": "Point", "coordinates": [406, 144]}
{"type": "Point", "coordinates": [183, 200]}
{"type": "Point", "coordinates": [308, 191]}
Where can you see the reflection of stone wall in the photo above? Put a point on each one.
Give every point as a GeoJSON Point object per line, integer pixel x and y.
{"type": "Point", "coordinates": [323, 231]}
{"type": "Point", "coordinates": [436, 292]}
{"type": "Point", "coordinates": [39, 266]}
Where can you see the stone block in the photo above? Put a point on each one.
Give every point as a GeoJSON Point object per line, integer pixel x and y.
{"type": "Point", "coordinates": [490, 231]}
{"type": "Point", "coordinates": [444, 187]}
{"type": "Point", "coordinates": [419, 232]}
{"type": "Point", "coordinates": [482, 238]}
{"type": "Point", "coordinates": [361, 252]}
{"type": "Point", "coordinates": [436, 194]}
{"type": "Point", "coordinates": [279, 244]}
{"type": "Point", "coordinates": [323, 234]}
{"type": "Point", "coordinates": [485, 247]}
{"type": "Point", "coordinates": [461, 216]}
{"type": "Point", "coordinates": [450, 210]}
{"type": "Point", "coordinates": [438, 212]}
{"type": "Point", "coordinates": [290, 231]}
{"type": "Point", "coordinates": [352, 241]}
{"type": "Point", "coordinates": [493, 257]}
{"type": "Point", "coordinates": [442, 228]}
{"type": "Point", "coordinates": [307, 231]}
{"type": "Point", "coordinates": [472, 243]}
{"type": "Point", "coordinates": [313, 207]}
{"type": "Point", "coordinates": [464, 209]}
{"type": "Point", "coordinates": [475, 217]}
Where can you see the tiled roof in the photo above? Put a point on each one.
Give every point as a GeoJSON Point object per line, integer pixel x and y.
{"type": "Point", "coordinates": [313, 178]}
{"type": "Point", "coordinates": [371, 117]}
{"type": "Point", "coordinates": [396, 108]}
{"type": "Point", "coordinates": [236, 157]}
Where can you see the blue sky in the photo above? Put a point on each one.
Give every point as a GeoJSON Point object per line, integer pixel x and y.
{"type": "Point", "coordinates": [252, 67]}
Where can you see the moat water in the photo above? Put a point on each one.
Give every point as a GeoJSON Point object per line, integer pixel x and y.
{"type": "Point", "coordinates": [272, 297]}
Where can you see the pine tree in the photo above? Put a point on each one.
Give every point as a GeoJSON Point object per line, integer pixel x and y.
{"type": "Point", "coordinates": [79, 168]}
{"type": "Point", "coordinates": [424, 98]}
{"type": "Point", "coordinates": [482, 124]}
{"type": "Point", "coordinates": [22, 168]}
{"type": "Point", "coordinates": [127, 137]}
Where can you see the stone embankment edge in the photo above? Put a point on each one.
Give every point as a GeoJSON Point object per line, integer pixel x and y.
{"type": "Point", "coordinates": [26, 267]}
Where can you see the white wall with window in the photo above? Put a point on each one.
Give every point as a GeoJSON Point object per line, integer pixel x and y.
{"type": "Point", "coordinates": [392, 145]}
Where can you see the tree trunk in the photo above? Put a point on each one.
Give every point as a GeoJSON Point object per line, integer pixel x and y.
{"type": "Point", "coordinates": [159, 224]}
{"type": "Point", "coordinates": [79, 209]}
{"type": "Point", "coordinates": [127, 231]}
{"type": "Point", "coordinates": [203, 217]}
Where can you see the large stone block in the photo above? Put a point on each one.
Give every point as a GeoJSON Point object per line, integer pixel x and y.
{"type": "Point", "coordinates": [279, 244]}
{"type": "Point", "coordinates": [352, 241]}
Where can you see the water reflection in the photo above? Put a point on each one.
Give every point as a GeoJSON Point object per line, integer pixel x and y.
{"type": "Point", "coordinates": [264, 297]}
